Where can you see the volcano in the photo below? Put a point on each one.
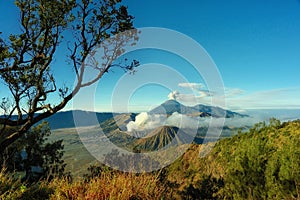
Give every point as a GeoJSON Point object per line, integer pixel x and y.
{"type": "Point", "coordinates": [171, 106]}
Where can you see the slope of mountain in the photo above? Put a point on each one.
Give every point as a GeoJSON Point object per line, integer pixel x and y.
{"type": "Point", "coordinates": [115, 127]}
{"type": "Point", "coordinates": [216, 111]}
{"type": "Point", "coordinates": [65, 119]}
{"type": "Point", "coordinates": [262, 159]}
{"type": "Point", "coordinates": [162, 137]}
{"type": "Point", "coordinates": [85, 118]}
{"type": "Point", "coordinates": [117, 122]}
{"type": "Point", "coordinates": [171, 106]}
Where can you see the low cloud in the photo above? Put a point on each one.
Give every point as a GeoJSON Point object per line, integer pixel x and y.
{"type": "Point", "coordinates": [233, 92]}
{"type": "Point", "coordinates": [194, 86]}
{"type": "Point", "coordinates": [147, 122]}
{"type": "Point", "coordinates": [188, 98]}
{"type": "Point", "coordinates": [182, 121]}
{"type": "Point", "coordinates": [279, 98]}
{"type": "Point", "coordinates": [237, 98]}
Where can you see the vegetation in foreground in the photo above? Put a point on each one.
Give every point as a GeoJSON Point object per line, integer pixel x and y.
{"type": "Point", "coordinates": [262, 163]}
{"type": "Point", "coordinates": [104, 186]}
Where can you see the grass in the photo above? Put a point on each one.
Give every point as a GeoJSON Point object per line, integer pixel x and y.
{"type": "Point", "coordinates": [117, 186]}
{"type": "Point", "coordinates": [106, 186]}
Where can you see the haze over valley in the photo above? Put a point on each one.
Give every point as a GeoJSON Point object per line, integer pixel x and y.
{"type": "Point", "coordinates": [170, 123]}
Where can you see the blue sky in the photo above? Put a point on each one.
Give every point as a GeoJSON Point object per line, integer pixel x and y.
{"type": "Point", "coordinates": [253, 39]}
{"type": "Point", "coordinates": [254, 44]}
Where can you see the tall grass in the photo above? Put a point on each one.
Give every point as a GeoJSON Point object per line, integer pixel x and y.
{"type": "Point", "coordinates": [116, 186]}
{"type": "Point", "coordinates": [106, 186]}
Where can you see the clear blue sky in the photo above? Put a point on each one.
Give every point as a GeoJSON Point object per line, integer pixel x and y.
{"type": "Point", "coordinates": [255, 45]}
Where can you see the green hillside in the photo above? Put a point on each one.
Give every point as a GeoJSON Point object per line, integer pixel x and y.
{"type": "Point", "coordinates": [263, 163]}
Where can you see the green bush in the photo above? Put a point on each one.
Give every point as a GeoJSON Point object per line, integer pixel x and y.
{"type": "Point", "coordinates": [34, 155]}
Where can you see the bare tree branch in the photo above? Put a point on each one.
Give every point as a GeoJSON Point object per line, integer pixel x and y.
{"type": "Point", "coordinates": [26, 59]}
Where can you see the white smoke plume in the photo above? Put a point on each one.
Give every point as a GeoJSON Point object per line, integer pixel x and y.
{"type": "Point", "coordinates": [148, 122]}
{"type": "Point", "coordinates": [173, 95]}
{"type": "Point", "coordinates": [145, 121]}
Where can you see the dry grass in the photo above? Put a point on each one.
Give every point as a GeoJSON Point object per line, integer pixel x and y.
{"type": "Point", "coordinates": [118, 186]}
{"type": "Point", "coordinates": [107, 186]}
{"type": "Point", "coordinates": [10, 188]}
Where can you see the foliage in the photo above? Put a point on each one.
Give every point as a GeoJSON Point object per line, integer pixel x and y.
{"type": "Point", "coordinates": [27, 57]}
{"type": "Point", "coordinates": [262, 163]}
{"type": "Point", "coordinates": [136, 162]}
{"type": "Point", "coordinates": [107, 186]}
{"type": "Point", "coordinates": [118, 186]}
{"type": "Point", "coordinates": [96, 171]}
{"type": "Point", "coordinates": [10, 187]}
{"type": "Point", "coordinates": [35, 156]}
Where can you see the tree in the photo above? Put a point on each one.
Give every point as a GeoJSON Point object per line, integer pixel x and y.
{"type": "Point", "coordinates": [34, 155]}
{"type": "Point", "coordinates": [26, 58]}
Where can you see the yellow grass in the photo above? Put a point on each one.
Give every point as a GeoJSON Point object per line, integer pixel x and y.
{"type": "Point", "coordinates": [107, 186]}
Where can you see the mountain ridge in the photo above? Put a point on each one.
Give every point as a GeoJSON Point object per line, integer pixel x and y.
{"type": "Point", "coordinates": [65, 119]}
{"type": "Point", "coordinates": [171, 106]}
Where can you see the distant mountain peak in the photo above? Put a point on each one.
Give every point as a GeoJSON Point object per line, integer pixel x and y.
{"type": "Point", "coordinates": [171, 101]}
{"type": "Point", "coordinates": [163, 136]}
{"type": "Point", "coordinates": [171, 106]}
{"type": "Point", "coordinates": [167, 130]}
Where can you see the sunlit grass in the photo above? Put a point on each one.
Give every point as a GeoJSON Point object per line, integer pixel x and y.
{"type": "Point", "coordinates": [106, 186]}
